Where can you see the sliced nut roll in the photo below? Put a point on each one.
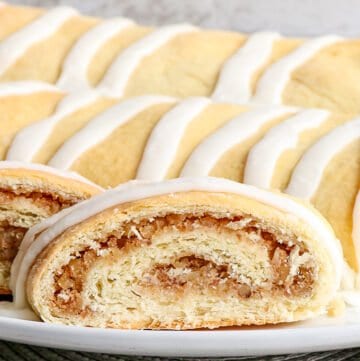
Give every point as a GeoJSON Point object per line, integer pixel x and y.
{"type": "Point", "coordinates": [30, 193]}
{"type": "Point", "coordinates": [180, 254]}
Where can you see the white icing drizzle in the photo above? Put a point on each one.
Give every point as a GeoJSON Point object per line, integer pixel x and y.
{"type": "Point", "coordinates": [166, 136]}
{"type": "Point", "coordinates": [76, 64]}
{"type": "Point", "coordinates": [234, 83]}
{"type": "Point", "coordinates": [262, 159]}
{"type": "Point", "coordinates": [120, 71]}
{"type": "Point", "coordinates": [101, 126]}
{"type": "Point", "coordinates": [30, 139]}
{"type": "Point", "coordinates": [42, 234]}
{"type": "Point", "coordinates": [307, 175]}
{"type": "Point", "coordinates": [15, 45]}
{"type": "Point", "coordinates": [4, 164]}
{"type": "Point", "coordinates": [26, 87]}
{"type": "Point", "coordinates": [208, 152]}
{"type": "Point", "coordinates": [271, 85]}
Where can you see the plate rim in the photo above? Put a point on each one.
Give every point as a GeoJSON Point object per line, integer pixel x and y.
{"type": "Point", "coordinates": [191, 343]}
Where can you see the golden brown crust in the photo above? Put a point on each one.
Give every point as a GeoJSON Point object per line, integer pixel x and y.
{"type": "Point", "coordinates": [185, 61]}
{"type": "Point", "coordinates": [269, 309]}
{"type": "Point", "coordinates": [30, 179]}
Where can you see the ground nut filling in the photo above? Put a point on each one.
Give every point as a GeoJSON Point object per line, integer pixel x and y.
{"type": "Point", "coordinates": [293, 269]}
{"type": "Point", "coordinates": [195, 273]}
{"type": "Point", "coordinates": [10, 239]}
{"type": "Point", "coordinates": [52, 202]}
{"type": "Point", "coordinates": [11, 235]}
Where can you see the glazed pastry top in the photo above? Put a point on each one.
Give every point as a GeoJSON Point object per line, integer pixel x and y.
{"type": "Point", "coordinates": [120, 58]}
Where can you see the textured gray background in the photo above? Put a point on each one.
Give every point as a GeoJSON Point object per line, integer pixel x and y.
{"type": "Point", "coordinates": [291, 17]}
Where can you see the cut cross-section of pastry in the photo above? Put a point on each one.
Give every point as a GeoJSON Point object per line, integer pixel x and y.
{"type": "Point", "coordinates": [118, 57]}
{"type": "Point", "coordinates": [184, 253]}
{"type": "Point", "coordinates": [328, 174]}
{"type": "Point", "coordinates": [30, 193]}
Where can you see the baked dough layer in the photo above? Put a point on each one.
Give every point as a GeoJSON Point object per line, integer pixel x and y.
{"type": "Point", "coordinates": [111, 141]}
{"type": "Point", "coordinates": [29, 194]}
{"type": "Point", "coordinates": [179, 60]}
{"type": "Point", "coordinates": [175, 258]}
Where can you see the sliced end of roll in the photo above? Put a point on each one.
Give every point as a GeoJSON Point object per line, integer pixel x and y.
{"type": "Point", "coordinates": [186, 260]}
{"type": "Point", "coordinates": [29, 194]}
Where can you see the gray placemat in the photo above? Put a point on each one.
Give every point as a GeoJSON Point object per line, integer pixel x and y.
{"type": "Point", "coordinates": [17, 352]}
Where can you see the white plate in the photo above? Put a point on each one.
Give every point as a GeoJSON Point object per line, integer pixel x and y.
{"type": "Point", "coordinates": [316, 335]}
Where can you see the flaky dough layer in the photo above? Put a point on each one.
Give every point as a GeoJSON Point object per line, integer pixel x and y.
{"type": "Point", "coordinates": [185, 260]}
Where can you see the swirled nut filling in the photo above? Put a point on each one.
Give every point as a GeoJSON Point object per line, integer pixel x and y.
{"type": "Point", "coordinates": [50, 202]}
{"type": "Point", "coordinates": [11, 234]}
{"type": "Point", "coordinates": [10, 239]}
{"type": "Point", "coordinates": [293, 269]}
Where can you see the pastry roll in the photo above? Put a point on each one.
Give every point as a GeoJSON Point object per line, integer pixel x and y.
{"type": "Point", "coordinates": [156, 137]}
{"type": "Point", "coordinates": [110, 147]}
{"type": "Point", "coordinates": [181, 254]}
{"type": "Point", "coordinates": [118, 57]}
{"type": "Point", "coordinates": [30, 193]}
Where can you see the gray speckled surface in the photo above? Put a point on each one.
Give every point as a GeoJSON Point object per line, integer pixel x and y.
{"type": "Point", "coordinates": [291, 17]}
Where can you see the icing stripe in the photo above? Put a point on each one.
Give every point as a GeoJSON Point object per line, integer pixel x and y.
{"type": "Point", "coordinates": [271, 85]}
{"type": "Point", "coordinates": [207, 154]}
{"type": "Point", "coordinates": [234, 83]}
{"type": "Point", "coordinates": [262, 159]}
{"type": "Point", "coordinates": [14, 46]}
{"type": "Point", "coordinates": [30, 139]}
{"type": "Point", "coordinates": [74, 70]}
{"type": "Point", "coordinates": [132, 191]}
{"type": "Point", "coordinates": [165, 138]}
{"type": "Point", "coordinates": [120, 71]}
{"type": "Point", "coordinates": [101, 126]}
{"type": "Point", "coordinates": [307, 174]}
{"type": "Point", "coordinates": [26, 87]}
